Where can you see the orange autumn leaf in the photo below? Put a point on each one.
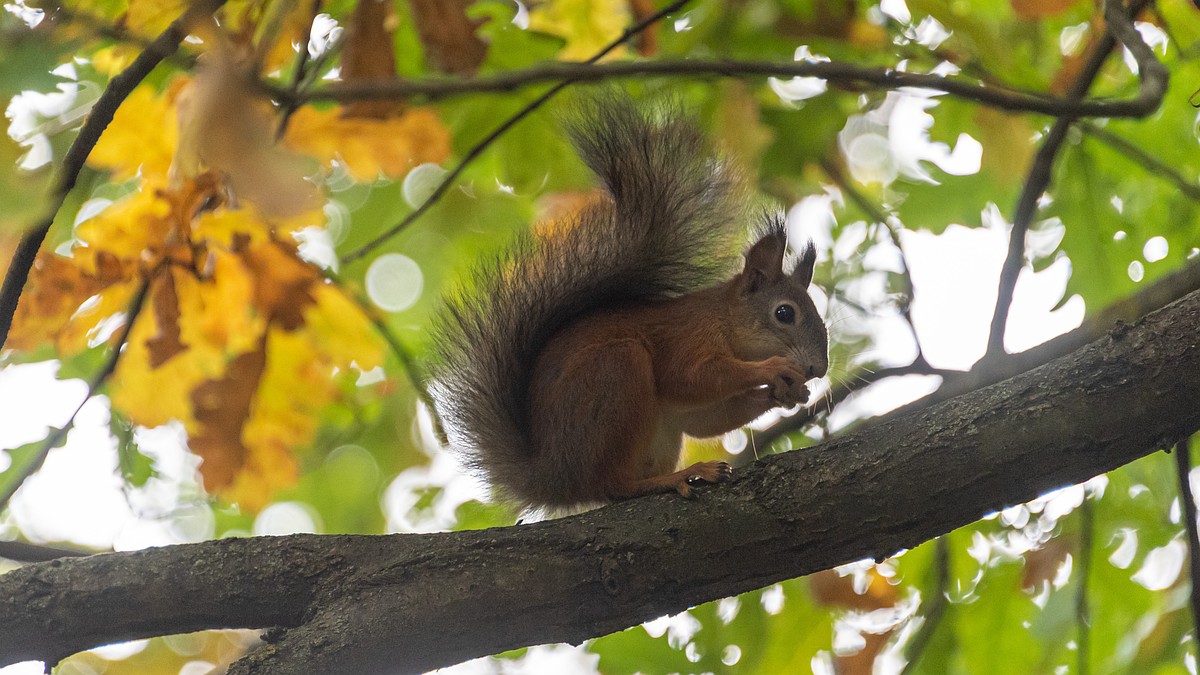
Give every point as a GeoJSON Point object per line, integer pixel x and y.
{"type": "Point", "coordinates": [370, 148]}
{"type": "Point", "coordinates": [1041, 9]}
{"type": "Point", "coordinates": [56, 289]}
{"type": "Point", "coordinates": [165, 305]}
{"type": "Point", "coordinates": [284, 284]}
{"type": "Point", "coordinates": [830, 588]}
{"type": "Point", "coordinates": [221, 407]}
{"type": "Point", "coordinates": [240, 340]}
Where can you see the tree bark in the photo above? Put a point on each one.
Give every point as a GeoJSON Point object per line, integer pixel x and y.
{"type": "Point", "coordinates": [412, 602]}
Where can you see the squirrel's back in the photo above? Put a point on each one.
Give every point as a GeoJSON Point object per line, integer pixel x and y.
{"type": "Point", "coordinates": [669, 223]}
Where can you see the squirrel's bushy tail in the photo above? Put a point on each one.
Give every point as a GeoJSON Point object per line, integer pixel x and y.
{"type": "Point", "coordinates": [669, 224]}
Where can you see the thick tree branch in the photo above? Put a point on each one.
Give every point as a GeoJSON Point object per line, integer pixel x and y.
{"type": "Point", "coordinates": [412, 602]}
{"type": "Point", "coordinates": [163, 46]}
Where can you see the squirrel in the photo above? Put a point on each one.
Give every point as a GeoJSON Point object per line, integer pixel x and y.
{"type": "Point", "coordinates": [571, 371]}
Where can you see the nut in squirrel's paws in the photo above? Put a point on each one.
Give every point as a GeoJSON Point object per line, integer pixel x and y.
{"type": "Point", "coordinates": [702, 472]}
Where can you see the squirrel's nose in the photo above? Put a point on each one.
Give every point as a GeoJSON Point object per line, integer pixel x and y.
{"type": "Point", "coordinates": [817, 371]}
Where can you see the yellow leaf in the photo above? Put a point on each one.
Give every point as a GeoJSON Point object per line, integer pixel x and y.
{"type": "Point", "coordinates": [370, 147]}
{"type": "Point", "coordinates": [141, 137]}
{"type": "Point", "coordinates": [151, 17]}
{"type": "Point", "coordinates": [586, 25]}
{"type": "Point", "coordinates": [152, 396]}
{"type": "Point", "coordinates": [345, 333]}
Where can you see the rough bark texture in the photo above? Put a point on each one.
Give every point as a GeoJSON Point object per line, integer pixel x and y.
{"type": "Point", "coordinates": [410, 602]}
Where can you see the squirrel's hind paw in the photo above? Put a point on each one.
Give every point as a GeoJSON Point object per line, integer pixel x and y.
{"type": "Point", "coordinates": [702, 472]}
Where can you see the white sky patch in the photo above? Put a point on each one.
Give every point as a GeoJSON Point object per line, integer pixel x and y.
{"type": "Point", "coordinates": [930, 33]}
{"type": "Point", "coordinates": [800, 88]}
{"type": "Point", "coordinates": [1154, 36]}
{"type": "Point", "coordinates": [893, 141]}
{"type": "Point", "coordinates": [897, 9]}
{"type": "Point", "coordinates": [1161, 567]}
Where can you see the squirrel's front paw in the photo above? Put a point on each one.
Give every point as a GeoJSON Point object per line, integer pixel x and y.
{"type": "Point", "coordinates": [787, 386]}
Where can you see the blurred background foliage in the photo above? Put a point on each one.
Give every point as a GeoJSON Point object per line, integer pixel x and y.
{"type": "Point", "coordinates": [189, 196]}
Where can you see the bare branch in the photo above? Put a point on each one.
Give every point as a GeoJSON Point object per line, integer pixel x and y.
{"type": "Point", "coordinates": [1120, 26]}
{"type": "Point", "coordinates": [1157, 295]}
{"type": "Point", "coordinates": [163, 46]}
{"type": "Point", "coordinates": [24, 552]}
{"type": "Point", "coordinates": [890, 224]}
{"type": "Point", "coordinates": [1152, 84]}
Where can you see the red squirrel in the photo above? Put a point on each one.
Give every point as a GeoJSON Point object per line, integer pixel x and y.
{"type": "Point", "coordinates": [570, 371]}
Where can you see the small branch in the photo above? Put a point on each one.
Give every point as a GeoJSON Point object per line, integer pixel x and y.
{"type": "Point", "coordinates": [1183, 466]}
{"type": "Point", "coordinates": [499, 131]}
{"type": "Point", "coordinates": [845, 75]}
{"type": "Point", "coordinates": [100, 377]}
{"type": "Point", "coordinates": [163, 46]}
{"type": "Point", "coordinates": [1152, 164]}
{"type": "Point", "coordinates": [24, 552]}
{"type": "Point", "coordinates": [936, 607]}
{"type": "Point", "coordinates": [1083, 614]}
{"type": "Point", "coordinates": [839, 393]}
{"type": "Point", "coordinates": [1157, 295]}
{"type": "Point", "coordinates": [1120, 26]}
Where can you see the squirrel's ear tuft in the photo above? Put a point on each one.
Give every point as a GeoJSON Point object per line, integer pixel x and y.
{"type": "Point", "coordinates": [764, 260]}
{"type": "Point", "coordinates": [804, 268]}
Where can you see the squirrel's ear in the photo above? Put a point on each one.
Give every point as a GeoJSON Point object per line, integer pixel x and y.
{"type": "Point", "coordinates": [804, 268]}
{"type": "Point", "coordinates": [764, 260]}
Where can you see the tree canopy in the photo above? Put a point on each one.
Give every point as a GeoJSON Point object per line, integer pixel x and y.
{"type": "Point", "coordinates": [233, 221]}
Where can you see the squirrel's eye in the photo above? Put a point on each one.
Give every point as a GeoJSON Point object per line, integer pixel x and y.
{"type": "Point", "coordinates": [785, 314]}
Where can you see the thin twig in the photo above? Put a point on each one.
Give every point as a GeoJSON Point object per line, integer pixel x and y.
{"type": "Point", "coordinates": [1152, 164]}
{"type": "Point", "coordinates": [499, 131]}
{"type": "Point", "coordinates": [1083, 613]}
{"type": "Point", "coordinates": [1120, 26]}
{"type": "Point", "coordinates": [298, 76]}
{"type": "Point", "coordinates": [846, 75]}
{"type": "Point", "coordinates": [1183, 466]}
{"type": "Point", "coordinates": [839, 393]}
{"type": "Point", "coordinates": [411, 371]}
{"type": "Point", "coordinates": [99, 378]}
{"type": "Point", "coordinates": [936, 607]}
{"type": "Point", "coordinates": [166, 44]}
{"type": "Point", "coordinates": [876, 214]}
{"type": "Point", "coordinates": [25, 552]}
